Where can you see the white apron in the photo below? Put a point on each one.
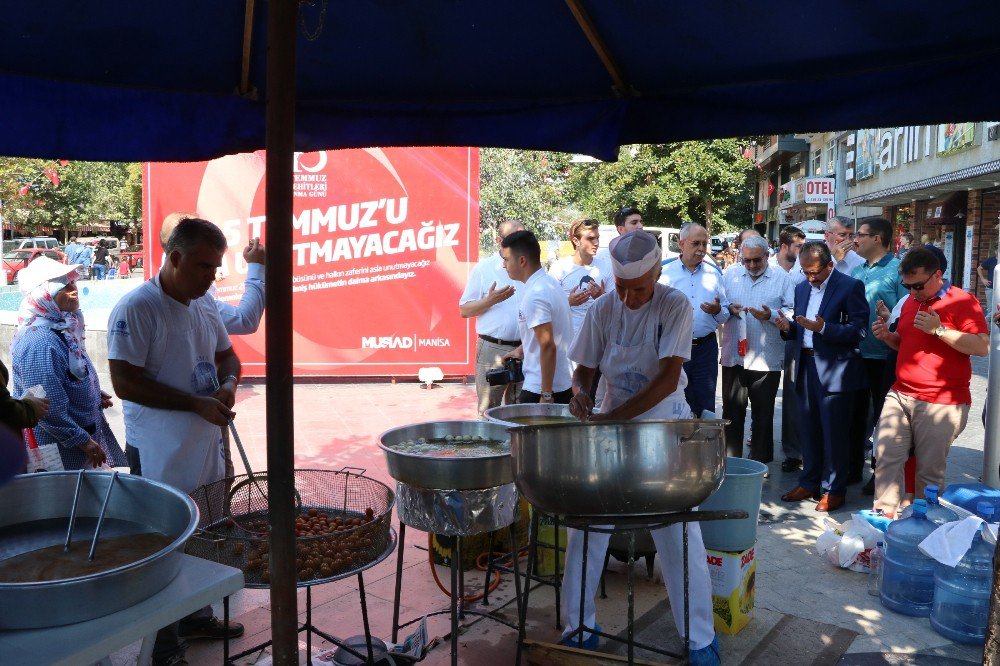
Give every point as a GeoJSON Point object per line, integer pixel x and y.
{"type": "Point", "coordinates": [627, 369]}
{"type": "Point", "coordinates": [175, 447]}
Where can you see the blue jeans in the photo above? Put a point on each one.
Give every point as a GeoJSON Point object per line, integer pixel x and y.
{"type": "Point", "coordinates": [99, 270]}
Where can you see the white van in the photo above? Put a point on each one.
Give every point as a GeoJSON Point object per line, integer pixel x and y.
{"type": "Point", "coordinates": [40, 242]}
{"type": "Point", "coordinates": [668, 239]}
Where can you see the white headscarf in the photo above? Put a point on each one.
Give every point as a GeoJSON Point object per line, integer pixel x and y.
{"type": "Point", "coordinates": [39, 310]}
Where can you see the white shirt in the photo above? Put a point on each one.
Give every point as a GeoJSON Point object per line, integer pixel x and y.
{"type": "Point", "coordinates": [570, 276]}
{"type": "Point", "coordinates": [244, 319]}
{"type": "Point", "coordinates": [850, 261]}
{"type": "Point", "coordinates": [175, 345]}
{"type": "Point", "coordinates": [812, 309]}
{"type": "Point", "coordinates": [603, 262]}
{"type": "Point", "coordinates": [765, 348]}
{"type": "Point", "coordinates": [500, 321]}
{"type": "Point", "coordinates": [702, 285]}
{"type": "Point", "coordinates": [795, 272]}
{"type": "Point", "coordinates": [543, 302]}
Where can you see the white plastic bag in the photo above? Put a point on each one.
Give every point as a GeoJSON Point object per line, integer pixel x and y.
{"type": "Point", "coordinates": [847, 545]}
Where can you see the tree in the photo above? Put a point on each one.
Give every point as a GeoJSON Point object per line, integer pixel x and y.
{"type": "Point", "coordinates": [704, 181]}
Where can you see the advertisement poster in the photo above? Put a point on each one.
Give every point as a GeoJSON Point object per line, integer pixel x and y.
{"type": "Point", "coordinates": [383, 242]}
{"type": "Point", "coordinates": [955, 136]}
{"type": "Point", "coordinates": [864, 167]}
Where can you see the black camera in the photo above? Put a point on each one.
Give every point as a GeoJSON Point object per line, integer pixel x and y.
{"type": "Point", "coordinates": [510, 373]}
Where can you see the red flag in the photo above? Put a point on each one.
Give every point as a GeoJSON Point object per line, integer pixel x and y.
{"type": "Point", "coordinates": [770, 188]}
{"type": "Point", "coordinates": [63, 162]}
{"type": "Point", "coordinates": [24, 190]}
{"type": "Point", "coordinates": [53, 176]}
{"type": "Point", "coordinates": [748, 153]}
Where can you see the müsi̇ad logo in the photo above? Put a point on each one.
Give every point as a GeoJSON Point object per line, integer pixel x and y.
{"type": "Point", "coordinates": [402, 342]}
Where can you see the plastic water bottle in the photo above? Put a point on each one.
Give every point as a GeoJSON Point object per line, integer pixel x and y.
{"type": "Point", "coordinates": [875, 559]}
{"type": "Point", "coordinates": [936, 513]}
{"type": "Point", "coordinates": [962, 592]}
{"type": "Point", "coordinates": [907, 574]}
{"type": "Point", "coordinates": [969, 495]}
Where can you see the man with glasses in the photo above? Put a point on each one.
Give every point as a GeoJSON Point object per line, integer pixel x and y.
{"type": "Point", "coordinates": [880, 275]}
{"type": "Point", "coordinates": [701, 282]}
{"type": "Point", "coordinates": [840, 240]}
{"type": "Point", "coordinates": [831, 320]}
{"type": "Point", "coordinates": [790, 242]}
{"type": "Point", "coordinates": [757, 292]}
{"type": "Point", "coordinates": [939, 328]}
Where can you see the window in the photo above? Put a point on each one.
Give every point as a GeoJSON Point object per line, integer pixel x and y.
{"type": "Point", "coordinates": [817, 162]}
{"type": "Point", "coordinates": [831, 156]}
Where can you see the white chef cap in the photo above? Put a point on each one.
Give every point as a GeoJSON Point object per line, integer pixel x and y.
{"type": "Point", "coordinates": [634, 254]}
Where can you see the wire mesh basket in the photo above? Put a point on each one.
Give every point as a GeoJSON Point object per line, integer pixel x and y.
{"type": "Point", "coordinates": [343, 524]}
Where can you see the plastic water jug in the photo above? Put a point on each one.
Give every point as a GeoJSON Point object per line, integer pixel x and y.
{"type": "Point", "coordinates": [962, 593]}
{"type": "Point", "coordinates": [969, 495]}
{"type": "Point", "coordinates": [908, 574]}
{"type": "Point", "coordinates": [936, 513]}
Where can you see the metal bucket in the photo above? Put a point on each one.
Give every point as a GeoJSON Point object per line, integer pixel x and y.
{"type": "Point", "coordinates": [34, 514]}
{"type": "Point", "coordinates": [423, 471]}
{"type": "Point", "coordinates": [619, 469]}
{"type": "Point", "coordinates": [530, 414]}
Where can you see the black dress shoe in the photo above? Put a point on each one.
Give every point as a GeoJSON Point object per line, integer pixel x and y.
{"type": "Point", "coordinates": [791, 465]}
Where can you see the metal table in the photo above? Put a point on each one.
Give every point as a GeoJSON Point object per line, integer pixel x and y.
{"type": "Point", "coordinates": [198, 584]}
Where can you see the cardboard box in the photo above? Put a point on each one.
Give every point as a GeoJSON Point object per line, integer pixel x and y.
{"type": "Point", "coordinates": [733, 585]}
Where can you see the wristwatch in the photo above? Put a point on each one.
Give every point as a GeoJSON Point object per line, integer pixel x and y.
{"type": "Point", "coordinates": [546, 395]}
{"type": "Point", "coordinates": [236, 380]}
{"type": "Point", "coordinates": [939, 331]}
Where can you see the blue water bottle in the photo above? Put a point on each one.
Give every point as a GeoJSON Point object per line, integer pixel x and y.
{"type": "Point", "coordinates": [962, 592]}
{"type": "Point", "coordinates": [936, 513]}
{"type": "Point", "coordinates": [908, 574]}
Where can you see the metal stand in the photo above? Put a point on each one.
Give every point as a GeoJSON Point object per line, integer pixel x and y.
{"type": "Point", "coordinates": [554, 580]}
{"type": "Point", "coordinates": [587, 525]}
{"type": "Point", "coordinates": [310, 628]}
{"type": "Point", "coordinates": [456, 607]}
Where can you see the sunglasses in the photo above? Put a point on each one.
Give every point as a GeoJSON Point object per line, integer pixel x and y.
{"type": "Point", "coordinates": [916, 286]}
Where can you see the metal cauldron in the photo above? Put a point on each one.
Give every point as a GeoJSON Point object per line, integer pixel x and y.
{"type": "Point", "coordinates": [619, 469]}
{"type": "Point", "coordinates": [530, 414]}
{"type": "Point", "coordinates": [34, 514]}
{"type": "Point", "coordinates": [446, 473]}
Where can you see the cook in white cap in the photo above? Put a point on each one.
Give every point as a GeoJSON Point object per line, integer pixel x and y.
{"type": "Point", "coordinates": [640, 336]}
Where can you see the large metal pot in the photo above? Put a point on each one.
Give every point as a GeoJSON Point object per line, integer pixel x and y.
{"type": "Point", "coordinates": [529, 414]}
{"type": "Point", "coordinates": [34, 514]}
{"type": "Point", "coordinates": [446, 473]}
{"type": "Point", "coordinates": [619, 469]}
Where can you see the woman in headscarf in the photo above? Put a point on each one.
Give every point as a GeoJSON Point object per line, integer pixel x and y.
{"type": "Point", "coordinates": [49, 349]}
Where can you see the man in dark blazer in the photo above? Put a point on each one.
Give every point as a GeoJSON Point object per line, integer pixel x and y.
{"type": "Point", "coordinates": [831, 319]}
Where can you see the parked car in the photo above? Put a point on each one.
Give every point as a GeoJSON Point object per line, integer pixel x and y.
{"type": "Point", "coordinates": [41, 242]}
{"type": "Point", "coordinates": [15, 260]}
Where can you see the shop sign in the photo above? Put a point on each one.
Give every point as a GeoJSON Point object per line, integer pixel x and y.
{"type": "Point", "coordinates": [967, 268]}
{"type": "Point", "coordinates": [383, 242]}
{"type": "Point", "coordinates": [809, 191]}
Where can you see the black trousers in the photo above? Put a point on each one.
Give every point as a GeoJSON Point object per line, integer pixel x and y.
{"type": "Point", "coordinates": [558, 397]}
{"type": "Point", "coordinates": [759, 387]}
{"type": "Point", "coordinates": [867, 409]}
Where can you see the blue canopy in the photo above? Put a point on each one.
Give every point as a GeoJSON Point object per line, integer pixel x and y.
{"type": "Point", "coordinates": [161, 80]}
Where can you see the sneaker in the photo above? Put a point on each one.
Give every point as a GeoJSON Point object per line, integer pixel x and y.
{"type": "Point", "coordinates": [706, 656]}
{"type": "Point", "coordinates": [209, 628]}
{"type": "Point", "coordinates": [172, 660]}
{"type": "Point", "coordinates": [590, 643]}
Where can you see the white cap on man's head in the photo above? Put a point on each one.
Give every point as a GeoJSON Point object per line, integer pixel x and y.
{"type": "Point", "coordinates": [634, 254]}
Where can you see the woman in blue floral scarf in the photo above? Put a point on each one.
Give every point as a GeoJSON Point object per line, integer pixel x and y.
{"type": "Point", "coordinates": [49, 350]}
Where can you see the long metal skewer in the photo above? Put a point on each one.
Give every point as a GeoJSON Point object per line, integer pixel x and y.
{"type": "Point", "coordinates": [72, 511]}
{"type": "Point", "coordinates": [100, 519]}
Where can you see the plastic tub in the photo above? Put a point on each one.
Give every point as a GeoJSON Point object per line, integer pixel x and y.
{"type": "Point", "coordinates": [740, 490]}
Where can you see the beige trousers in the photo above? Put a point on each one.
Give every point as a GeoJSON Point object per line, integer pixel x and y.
{"type": "Point", "coordinates": [490, 357]}
{"type": "Point", "coordinates": [930, 428]}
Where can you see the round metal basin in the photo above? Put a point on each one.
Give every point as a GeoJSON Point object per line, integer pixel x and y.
{"type": "Point", "coordinates": [530, 414]}
{"type": "Point", "coordinates": [426, 471]}
{"type": "Point", "coordinates": [619, 469]}
{"type": "Point", "coordinates": [34, 514]}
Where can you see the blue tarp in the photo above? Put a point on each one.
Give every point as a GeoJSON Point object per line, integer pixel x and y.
{"type": "Point", "coordinates": [158, 81]}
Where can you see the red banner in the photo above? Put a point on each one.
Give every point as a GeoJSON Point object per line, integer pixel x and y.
{"type": "Point", "coordinates": [383, 242]}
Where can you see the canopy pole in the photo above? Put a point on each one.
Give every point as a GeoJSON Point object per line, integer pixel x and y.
{"type": "Point", "coordinates": [622, 88]}
{"type": "Point", "coordinates": [247, 36]}
{"type": "Point", "coordinates": [280, 144]}
{"type": "Point", "coordinates": [991, 450]}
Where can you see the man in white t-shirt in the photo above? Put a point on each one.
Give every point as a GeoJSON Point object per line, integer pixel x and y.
{"type": "Point", "coordinates": [174, 368]}
{"type": "Point", "coordinates": [579, 275]}
{"type": "Point", "coordinates": [546, 328]}
{"type": "Point", "coordinates": [489, 297]}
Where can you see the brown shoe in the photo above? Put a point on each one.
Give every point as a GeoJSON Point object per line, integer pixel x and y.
{"type": "Point", "coordinates": [799, 494]}
{"type": "Point", "coordinates": [830, 502]}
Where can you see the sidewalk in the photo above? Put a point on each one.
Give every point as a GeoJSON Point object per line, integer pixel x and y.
{"type": "Point", "coordinates": [807, 612]}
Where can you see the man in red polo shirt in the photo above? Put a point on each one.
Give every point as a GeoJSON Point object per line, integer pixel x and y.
{"type": "Point", "coordinates": [939, 328]}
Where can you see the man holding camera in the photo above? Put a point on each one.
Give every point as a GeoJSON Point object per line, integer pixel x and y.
{"type": "Point", "coordinates": [544, 320]}
{"type": "Point", "coordinates": [488, 298]}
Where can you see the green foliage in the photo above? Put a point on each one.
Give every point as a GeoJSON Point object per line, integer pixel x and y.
{"type": "Point", "coordinates": [86, 193]}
